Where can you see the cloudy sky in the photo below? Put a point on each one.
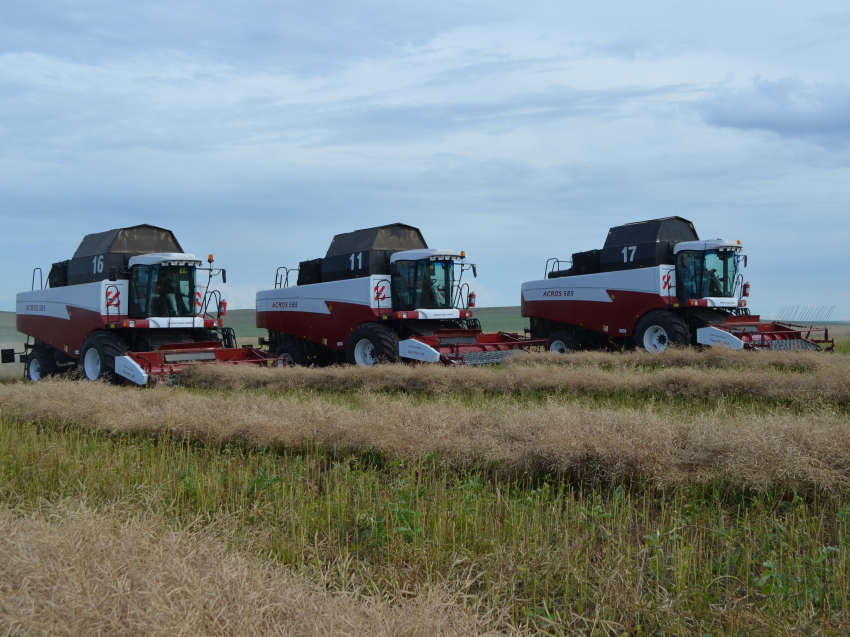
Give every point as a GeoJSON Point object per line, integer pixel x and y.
{"type": "Point", "coordinates": [514, 131]}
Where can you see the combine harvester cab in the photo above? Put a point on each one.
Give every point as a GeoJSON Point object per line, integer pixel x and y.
{"type": "Point", "coordinates": [380, 294]}
{"type": "Point", "coordinates": [127, 308]}
{"type": "Point", "coordinates": [653, 284]}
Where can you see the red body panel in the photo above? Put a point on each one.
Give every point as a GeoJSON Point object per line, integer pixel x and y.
{"type": "Point", "coordinates": [160, 369]}
{"type": "Point", "coordinates": [608, 302]}
{"type": "Point", "coordinates": [617, 318]}
{"type": "Point", "coordinates": [455, 353]}
{"type": "Point", "coordinates": [331, 329]}
{"type": "Point", "coordinates": [757, 335]}
{"type": "Point", "coordinates": [66, 335]}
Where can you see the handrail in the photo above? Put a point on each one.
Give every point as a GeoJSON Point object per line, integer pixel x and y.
{"type": "Point", "coordinates": [109, 303]}
{"type": "Point", "coordinates": [283, 281]}
{"type": "Point", "coordinates": [556, 264]}
{"type": "Point", "coordinates": [378, 296]}
{"type": "Point", "coordinates": [40, 279]}
{"type": "Point", "coordinates": [458, 301]}
{"type": "Point", "coordinates": [210, 296]}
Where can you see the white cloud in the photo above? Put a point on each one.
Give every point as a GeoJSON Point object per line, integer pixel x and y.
{"type": "Point", "coordinates": [788, 107]}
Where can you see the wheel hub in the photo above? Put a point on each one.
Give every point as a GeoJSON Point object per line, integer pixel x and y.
{"type": "Point", "coordinates": [655, 339]}
{"type": "Point", "coordinates": [364, 352]}
{"type": "Point", "coordinates": [91, 364]}
{"type": "Point", "coordinates": [286, 360]}
{"type": "Point", "coordinates": [558, 346]}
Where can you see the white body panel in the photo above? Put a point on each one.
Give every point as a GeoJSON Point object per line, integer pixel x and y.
{"type": "Point", "coordinates": [715, 336]}
{"type": "Point", "coordinates": [417, 350]}
{"type": "Point", "coordinates": [53, 302]}
{"type": "Point", "coordinates": [710, 244]}
{"type": "Point", "coordinates": [130, 369]}
{"type": "Point", "coordinates": [424, 253]}
{"type": "Point", "coordinates": [721, 301]}
{"type": "Point", "coordinates": [176, 258]}
{"type": "Point", "coordinates": [659, 280]}
{"type": "Point", "coordinates": [438, 314]}
{"type": "Point", "coordinates": [57, 302]}
{"type": "Point", "coordinates": [372, 291]}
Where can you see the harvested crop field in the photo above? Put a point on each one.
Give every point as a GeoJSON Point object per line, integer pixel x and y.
{"type": "Point", "coordinates": [689, 493]}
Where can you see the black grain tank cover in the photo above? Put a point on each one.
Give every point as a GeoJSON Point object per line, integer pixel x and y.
{"type": "Point", "coordinates": [366, 252]}
{"type": "Point", "coordinates": [58, 277]}
{"type": "Point", "coordinates": [644, 244]}
{"type": "Point", "coordinates": [101, 251]}
{"type": "Point", "coordinates": [310, 272]}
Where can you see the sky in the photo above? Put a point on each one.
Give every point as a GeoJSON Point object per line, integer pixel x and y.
{"type": "Point", "coordinates": [514, 131]}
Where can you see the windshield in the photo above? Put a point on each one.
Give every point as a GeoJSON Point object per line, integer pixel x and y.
{"type": "Point", "coordinates": [706, 274]}
{"type": "Point", "coordinates": [162, 290]}
{"type": "Point", "coordinates": [422, 284]}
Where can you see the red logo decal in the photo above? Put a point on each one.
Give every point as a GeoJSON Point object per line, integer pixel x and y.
{"type": "Point", "coordinates": [379, 293]}
{"type": "Point", "coordinates": [113, 298]}
{"type": "Point", "coordinates": [667, 283]}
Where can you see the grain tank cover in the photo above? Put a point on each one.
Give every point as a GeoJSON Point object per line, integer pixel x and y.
{"type": "Point", "coordinates": [644, 244]}
{"type": "Point", "coordinates": [365, 252]}
{"type": "Point", "coordinates": [103, 250]}
{"type": "Point", "coordinates": [143, 239]}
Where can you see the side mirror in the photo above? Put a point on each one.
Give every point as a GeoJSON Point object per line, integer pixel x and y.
{"type": "Point", "coordinates": [113, 272]}
{"type": "Point", "coordinates": [474, 272]}
{"type": "Point", "coordinates": [745, 260]}
{"type": "Point", "coordinates": [224, 276]}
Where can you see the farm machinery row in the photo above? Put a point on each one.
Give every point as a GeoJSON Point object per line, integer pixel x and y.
{"type": "Point", "coordinates": [132, 307]}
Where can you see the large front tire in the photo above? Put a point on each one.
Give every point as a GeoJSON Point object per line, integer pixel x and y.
{"type": "Point", "coordinates": [97, 357]}
{"type": "Point", "coordinates": [40, 364]}
{"type": "Point", "coordinates": [371, 343]}
{"type": "Point", "coordinates": [658, 330]}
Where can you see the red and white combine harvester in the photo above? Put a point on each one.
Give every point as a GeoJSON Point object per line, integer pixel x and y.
{"type": "Point", "coordinates": [126, 308]}
{"type": "Point", "coordinates": [653, 284]}
{"type": "Point", "coordinates": [380, 294]}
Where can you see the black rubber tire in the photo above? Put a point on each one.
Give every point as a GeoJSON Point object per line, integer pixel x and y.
{"type": "Point", "coordinates": [563, 341]}
{"type": "Point", "coordinates": [658, 330]}
{"type": "Point", "coordinates": [292, 350]}
{"type": "Point", "coordinates": [371, 342]}
{"type": "Point", "coordinates": [40, 364]}
{"type": "Point", "coordinates": [100, 363]}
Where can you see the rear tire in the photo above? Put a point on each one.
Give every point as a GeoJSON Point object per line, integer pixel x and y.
{"type": "Point", "coordinates": [40, 364]}
{"type": "Point", "coordinates": [292, 351]}
{"type": "Point", "coordinates": [563, 341]}
{"type": "Point", "coordinates": [656, 331]}
{"type": "Point", "coordinates": [371, 343]}
{"type": "Point", "coordinates": [97, 357]}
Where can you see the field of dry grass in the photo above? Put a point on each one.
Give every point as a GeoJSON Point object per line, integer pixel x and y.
{"type": "Point", "coordinates": [632, 438]}
{"type": "Point", "coordinates": [689, 493]}
{"type": "Point", "coordinates": [73, 571]}
{"type": "Point", "coordinates": [685, 373]}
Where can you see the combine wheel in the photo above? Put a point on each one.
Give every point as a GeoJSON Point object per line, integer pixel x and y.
{"type": "Point", "coordinates": [40, 364]}
{"type": "Point", "coordinates": [563, 341]}
{"type": "Point", "coordinates": [658, 330]}
{"type": "Point", "coordinates": [97, 357]}
{"type": "Point", "coordinates": [292, 352]}
{"type": "Point", "coordinates": [371, 343]}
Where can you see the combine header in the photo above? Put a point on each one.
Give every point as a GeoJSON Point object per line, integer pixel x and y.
{"type": "Point", "coordinates": [653, 284]}
{"type": "Point", "coordinates": [380, 294]}
{"type": "Point", "coordinates": [126, 308]}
